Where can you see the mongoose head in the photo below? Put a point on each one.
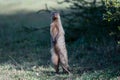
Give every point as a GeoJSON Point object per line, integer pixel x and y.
{"type": "Point", "coordinates": [55, 15]}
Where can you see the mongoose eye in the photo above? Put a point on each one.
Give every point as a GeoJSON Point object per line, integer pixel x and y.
{"type": "Point", "coordinates": [55, 13]}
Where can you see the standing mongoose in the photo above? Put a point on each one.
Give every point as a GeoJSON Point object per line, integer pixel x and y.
{"type": "Point", "coordinates": [58, 47]}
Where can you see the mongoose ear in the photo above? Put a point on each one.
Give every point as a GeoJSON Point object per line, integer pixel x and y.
{"type": "Point", "coordinates": [54, 12]}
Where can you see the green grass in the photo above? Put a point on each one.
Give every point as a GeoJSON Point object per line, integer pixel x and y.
{"type": "Point", "coordinates": [9, 72]}
{"type": "Point", "coordinates": [25, 47]}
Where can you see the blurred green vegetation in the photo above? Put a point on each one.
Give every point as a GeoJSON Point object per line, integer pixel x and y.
{"type": "Point", "coordinates": [92, 38]}
{"type": "Point", "coordinates": [92, 29]}
{"type": "Point", "coordinates": [94, 19]}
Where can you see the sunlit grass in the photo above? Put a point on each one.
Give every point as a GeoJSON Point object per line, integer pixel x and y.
{"type": "Point", "coordinates": [9, 72]}
{"type": "Point", "coordinates": [15, 6]}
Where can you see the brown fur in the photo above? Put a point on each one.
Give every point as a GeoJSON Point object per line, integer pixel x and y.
{"type": "Point", "coordinates": [58, 50]}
